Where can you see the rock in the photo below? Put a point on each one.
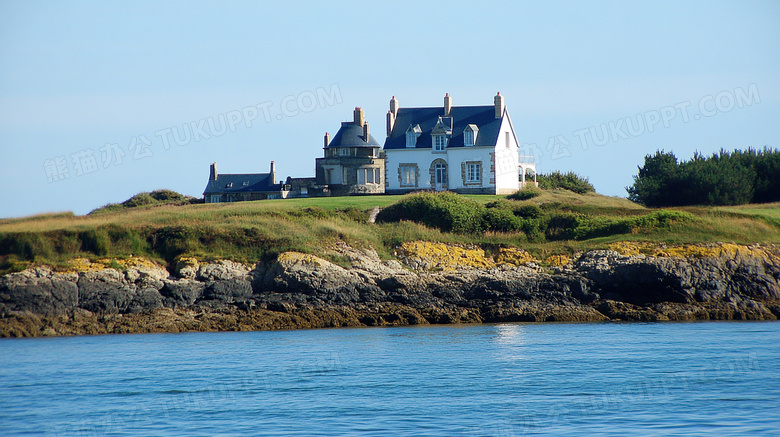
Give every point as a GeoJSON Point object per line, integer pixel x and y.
{"type": "Point", "coordinates": [223, 270]}
{"type": "Point", "coordinates": [105, 290]}
{"type": "Point", "coordinates": [145, 299]}
{"type": "Point", "coordinates": [303, 290]}
{"type": "Point", "coordinates": [39, 291]}
{"type": "Point", "coordinates": [230, 291]}
{"type": "Point", "coordinates": [181, 293]}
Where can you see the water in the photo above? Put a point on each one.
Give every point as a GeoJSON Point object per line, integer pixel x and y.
{"type": "Point", "coordinates": [473, 380]}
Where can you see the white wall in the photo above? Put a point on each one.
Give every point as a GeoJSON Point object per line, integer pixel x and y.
{"type": "Point", "coordinates": [507, 175]}
{"type": "Point", "coordinates": [422, 157]}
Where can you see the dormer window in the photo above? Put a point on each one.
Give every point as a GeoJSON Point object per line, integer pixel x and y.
{"type": "Point", "coordinates": [441, 133]}
{"type": "Point", "coordinates": [439, 143]}
{"type": "Point", "coordinates": [470, 135]}
{"type": "Point", "coordinates": [412, 134]}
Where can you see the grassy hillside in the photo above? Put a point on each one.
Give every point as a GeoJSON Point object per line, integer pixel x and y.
{"type": "Point", "coordinates": [249, 231]}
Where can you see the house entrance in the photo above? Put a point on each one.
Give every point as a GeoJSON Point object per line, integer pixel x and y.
{"type": "Point", "coordinates": [441, 176]}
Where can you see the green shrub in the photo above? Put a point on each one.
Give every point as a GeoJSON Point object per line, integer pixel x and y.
{"type": "Point", "coordinates": [501, 220]}
{"type": "Point", "coordinates": [526, 193]}
{"type": "Point", "coordinates": [167, 196]}
{"type": "Point", "coordinates": [448, 212]}
{"type": "Point", "coordinates": [567, 181]}
{"type": "Point", "coordinates": [140, 199]}
{"type": "Point", "coordinates": [528, 210]}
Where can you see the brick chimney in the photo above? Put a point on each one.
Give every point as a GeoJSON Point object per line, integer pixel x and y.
{"type": "Point", "coordinates": [359, 116]}
{"type": "Point", "coordinates": [326, 140]}
{"type": "Point", "coordinates": [447, 104]}
{"type": "Point", "coordinates": [213, 172]}
{"type": "Point", "coordinates": [273, 172]}
{"type": "Point", "coordinates": [365, 131]}
{"type": "Point", "coordinates": [498, 101]}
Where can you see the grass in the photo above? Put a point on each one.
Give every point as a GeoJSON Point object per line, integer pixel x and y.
{"type": "Point", "coordinates": [251, 231]}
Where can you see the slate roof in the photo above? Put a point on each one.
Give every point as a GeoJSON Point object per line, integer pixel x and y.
{"type": "Point", "coordinates": [242, 183]}
{"type": "Point", "coordinates": [482, 116]}
{"type": "Point", "coordinates": [351, 135]}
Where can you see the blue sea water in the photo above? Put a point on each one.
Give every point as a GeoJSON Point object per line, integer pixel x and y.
{"type": "Point", "coordinates": [713, 378]}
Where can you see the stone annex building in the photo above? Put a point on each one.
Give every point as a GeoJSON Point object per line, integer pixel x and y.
{"type": "Point", "coordinates": [465, 149]}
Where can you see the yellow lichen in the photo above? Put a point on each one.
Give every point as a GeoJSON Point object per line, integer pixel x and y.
{"type": "Point", "coordinates": [712, 250]}
{"type": "Point", "coordinates": [557, 260]}
{"type": "Point", "coordinates": [718, 250]}
{"type": "Point", "coordinates": [82, 265]}
{"type": "Point", "coordinates": [440, 256]}
{"type": "Point", "coordinates": [297, 257]}
{"type": "Point", "coordinates": [513, 256]}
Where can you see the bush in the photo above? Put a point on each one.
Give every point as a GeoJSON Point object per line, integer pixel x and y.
{"type": "Point", "coordinates": [502, 220]}
{"type": "Point", "coordinates": [567, 181]}
{"type": "Point", "coordinates": [157, 197]}
{"type": "Point", "coordinates": [448, 212]}
{"type": "Point", "coordinates": [526, 193]}
{"type": "Point", "coordinates": [167, 196]}
{"type": "Point", "coordinates": [140, 199]}
{"type": "Point", "coordinates": [528, 210]}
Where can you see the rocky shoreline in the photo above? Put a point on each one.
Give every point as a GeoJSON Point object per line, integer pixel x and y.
{"type": "Point", "coordinates": [429, 283]}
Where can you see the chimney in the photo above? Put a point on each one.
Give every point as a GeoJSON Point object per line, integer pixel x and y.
{"type": "Point", "coordinates": [273, 171]}
{"type": "Point", "coordinates": [391, 115]}
{"type": "Point", "coordinates": [213, 173]}
{"type": "Point", "coordinates": [390, 122]}
{"type": "Point", "coordinates": [394, 107]}
{"type": "Point", "coordinates": [327, 139]}
{"type": "Point", "coordinates": [498, 101]}
{"type": "Point", "coordinates": [365, 132]}
{"type": "Point", "coordinates": [447, 104]}
{"type": "Point", "coordinates": [359, 116]}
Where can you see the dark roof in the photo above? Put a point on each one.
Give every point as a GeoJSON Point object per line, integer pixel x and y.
{"type": "Point", "coordinates": [351, 135]}
{"type": "Point", "coordinates": [242, 183]}
{"type": "Point", "coordinates": [482, 116]}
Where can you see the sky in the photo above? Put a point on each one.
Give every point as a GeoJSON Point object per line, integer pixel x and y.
{"type": "Point", "coordinates": [102, 100]}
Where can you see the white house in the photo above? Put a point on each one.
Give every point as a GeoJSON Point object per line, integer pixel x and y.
{"type": "Point", "coordinates": [466, 149]}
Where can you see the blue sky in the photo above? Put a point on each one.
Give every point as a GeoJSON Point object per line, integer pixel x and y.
{"type": "Point", "coordinates": [92, 94]}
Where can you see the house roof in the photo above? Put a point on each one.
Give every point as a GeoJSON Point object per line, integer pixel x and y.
{"type": "Point", "coordinates": [242, 183]}
{"type": "Point", "coordinates": [482, 116]}
{"type": "Point", "coordinates": [351, 135]}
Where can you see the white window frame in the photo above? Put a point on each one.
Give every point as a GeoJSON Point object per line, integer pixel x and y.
{"type": "Point", "coordinates": [408, 175]}
{"type": "Point", "coordinates": [468, 137]}
{"type": "Point", "coordinates": [439, 143]}
{"type": "Point", "coordinates": [473, 172]}
{"type": "Point", "coordinates": [368, 175]}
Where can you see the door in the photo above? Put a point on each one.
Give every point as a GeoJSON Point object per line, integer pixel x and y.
{"type": "Point", "coordinates": [441, 176]}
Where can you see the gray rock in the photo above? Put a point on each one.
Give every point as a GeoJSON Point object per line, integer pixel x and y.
{"type": "Point", "coordinates": [234, 290]}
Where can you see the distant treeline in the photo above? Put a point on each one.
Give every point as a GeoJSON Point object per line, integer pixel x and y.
{"type": "Point", "coordinates": [725, 178]}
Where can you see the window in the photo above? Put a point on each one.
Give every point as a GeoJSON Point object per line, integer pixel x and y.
{"type": "Point", "coordinates": [506, 139]}
{"type": "Point", "coordinates": [408, 175]}
{"type": "Point", "coordinates": [368, 176]}
{"type": "Point", "coordinates": [439, 143]}
{"type": "Point", "coordinates": [412, 134]}
{"type": "Point", "coordinates": [216, 198]}
{"type": "Point", "coordinates": [473, 172]}
{"type": "Point", "coordinates": [468, 138]}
